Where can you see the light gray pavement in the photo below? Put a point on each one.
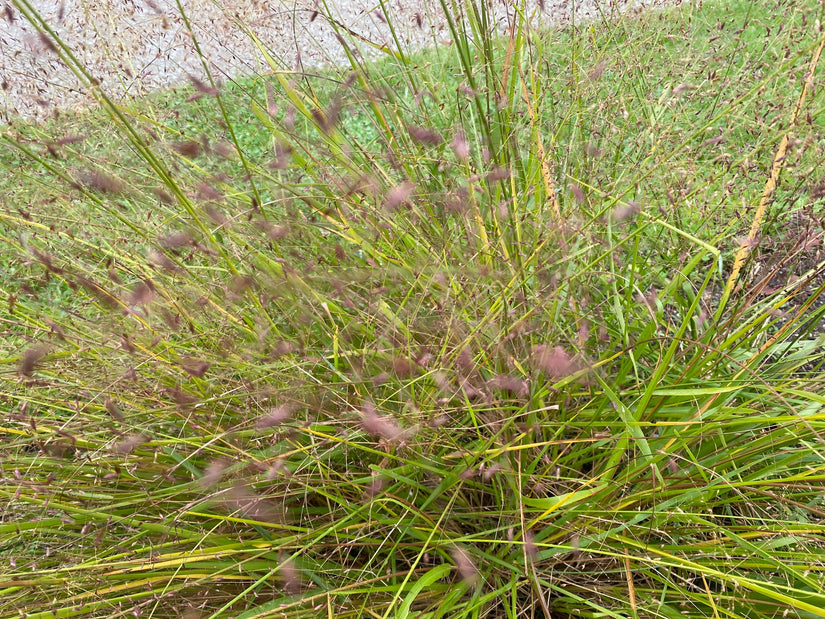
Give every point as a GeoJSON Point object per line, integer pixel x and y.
{"type": "Point", "coordinates": [134, 46]}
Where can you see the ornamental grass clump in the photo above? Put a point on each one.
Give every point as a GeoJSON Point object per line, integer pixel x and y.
{"type": "Point", "coordinates": [460, 332]}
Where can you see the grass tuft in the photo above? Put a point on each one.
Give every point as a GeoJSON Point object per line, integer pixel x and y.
{"type": "Point", "coordinates": [526, 324]}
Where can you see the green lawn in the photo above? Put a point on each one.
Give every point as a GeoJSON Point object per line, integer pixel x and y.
{"type": "Point", "coordinates": [459, 334]}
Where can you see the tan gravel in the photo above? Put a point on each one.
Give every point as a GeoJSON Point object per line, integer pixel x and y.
{"type": "Point", "coordinates": [134, 46]}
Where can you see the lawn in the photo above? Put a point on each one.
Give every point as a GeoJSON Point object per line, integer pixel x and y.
{"type": "Point", "coordinates": [521, 326]}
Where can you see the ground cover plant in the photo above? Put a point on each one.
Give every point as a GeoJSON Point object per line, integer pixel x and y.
{"type": "Point", "coordinates": [519, 326]}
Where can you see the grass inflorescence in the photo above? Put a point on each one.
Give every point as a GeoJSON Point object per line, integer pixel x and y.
{"type": "Point", "coordinates": [518, 326]}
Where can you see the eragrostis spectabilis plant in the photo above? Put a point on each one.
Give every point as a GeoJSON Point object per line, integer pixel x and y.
{"type": "Point", "coordinates": [452, 334]}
